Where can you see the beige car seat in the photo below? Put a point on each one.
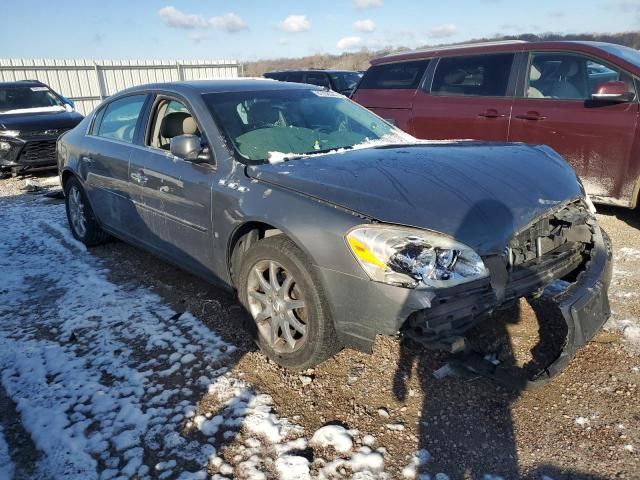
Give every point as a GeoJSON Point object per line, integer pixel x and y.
{"type": "Point", "coordinates": [534, 76]}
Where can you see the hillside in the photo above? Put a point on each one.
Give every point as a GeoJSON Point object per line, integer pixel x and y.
{"type": "Point", "coordinates": [360, 60]}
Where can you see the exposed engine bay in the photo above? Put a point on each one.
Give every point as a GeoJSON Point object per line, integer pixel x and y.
{"type": "Point", "coordinates": [558, 246]}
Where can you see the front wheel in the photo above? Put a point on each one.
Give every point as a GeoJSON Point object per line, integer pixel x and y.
{"type": "Point", "coordinates": [82, 221]}
{"type": "Point", "coordinates": [293, 324]}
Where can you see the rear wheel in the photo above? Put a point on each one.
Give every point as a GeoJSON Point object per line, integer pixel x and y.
{"type": "Point", "coordinates": [82, 221]}
{"type": "Point", "coordinates": [293, 324]}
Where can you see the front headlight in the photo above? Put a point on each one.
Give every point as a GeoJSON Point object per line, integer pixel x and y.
{"type": "Point", "coordinates": [9, 133]}
{"type": "Point", "coordinates": [410, 257]}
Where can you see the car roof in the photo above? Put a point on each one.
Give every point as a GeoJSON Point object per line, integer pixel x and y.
{"type": "Point", "coordinates": [22, 83]}
{"type": "Point", "coordinates": [484, 47]}
{"type": "Point", "coordinates": [240, 84]}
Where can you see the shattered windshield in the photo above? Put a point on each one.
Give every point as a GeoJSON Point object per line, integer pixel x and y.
{"type": "Point", "coordinates": [19, 99]}
{"type": "Point", "coordinates": [264, 124]}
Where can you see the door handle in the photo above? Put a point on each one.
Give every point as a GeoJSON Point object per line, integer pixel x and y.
{"type": "Point", "coordinates": [531, 116]}
{"type": "Point", "coordinates": [139, 178]}
{"type": "Point", "coordinates": [491, 113]}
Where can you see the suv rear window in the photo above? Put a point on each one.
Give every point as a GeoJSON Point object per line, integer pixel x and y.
{"type": "Point", "coordinates": [483, 75]}
{"type": "Point", "coordinates": [403, 75]}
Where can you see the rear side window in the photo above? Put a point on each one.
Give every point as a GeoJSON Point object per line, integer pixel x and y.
{"type": "Point", "coordinates": [318, 78]}
{"type": "Point", "coordinates": [118, 122]}
{"type": "Point", "coordinates": [293, 77]}
{"type": "Point", "coordinates": [481, 75]}
{"type": "Point", "coordinates": [403, 75]}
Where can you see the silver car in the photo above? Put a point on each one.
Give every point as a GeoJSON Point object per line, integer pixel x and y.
{"type": "Point", "coordinates": [332, 225]}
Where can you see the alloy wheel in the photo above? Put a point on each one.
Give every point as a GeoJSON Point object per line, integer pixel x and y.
{"type": "Point", "coordinates": [277, 306]}
{"type": "Point", "coordinates": [77, 212]}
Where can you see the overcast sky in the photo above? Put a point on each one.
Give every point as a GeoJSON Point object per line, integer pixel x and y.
{"type": "Point", "coordinates": [252, 29]}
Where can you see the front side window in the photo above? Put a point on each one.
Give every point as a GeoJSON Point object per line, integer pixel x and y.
{"type": "Point", "coordinates": [120, 118]}
{"type": "Point", "coordinates": [394, 76]}
{"type": "Point", "coordinates": [567, 76]}
{"type": "Point", "coordinates": [261, 124]}
{"type": "Point", "coordinates": [479, 75]}
{"type": "Point", "coordinates": [19, 99]}
{"type": "Point", "coordinates": [171, 118]}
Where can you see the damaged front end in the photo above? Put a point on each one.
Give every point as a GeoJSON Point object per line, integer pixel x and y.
{"type": "Point", "coordinates": [567, 244]}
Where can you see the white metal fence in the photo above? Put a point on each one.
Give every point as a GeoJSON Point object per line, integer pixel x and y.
{"type": "Point", "coordinates": [87, 82]}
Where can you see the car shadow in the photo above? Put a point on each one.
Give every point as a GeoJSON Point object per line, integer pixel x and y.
{"type": "Point", "coordinates": [626, 215]}
{"type": "Point", "coordinates": [466, 426]}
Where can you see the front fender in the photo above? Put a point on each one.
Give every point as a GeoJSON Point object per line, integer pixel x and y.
{"type": "Point", "coordinates": [316, 227]}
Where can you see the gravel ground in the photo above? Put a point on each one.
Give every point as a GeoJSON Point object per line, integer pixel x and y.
{"type": "Point", "coordinates": [584, 424]}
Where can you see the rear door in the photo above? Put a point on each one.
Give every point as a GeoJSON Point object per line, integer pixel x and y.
{"type": "Point", "coordinates": [174, 195]}
{"type": "Point", "coordinates": [554, 107]}
{"type": "Point", "coordinates": [389, 89]}
{"type": "Point", "coordinates": [104, 165]}
{"type": "Point", "coordinates": [469, 97]}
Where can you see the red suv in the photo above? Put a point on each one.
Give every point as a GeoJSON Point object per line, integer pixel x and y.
{"type": "Point", "coordinates": [578, 97]}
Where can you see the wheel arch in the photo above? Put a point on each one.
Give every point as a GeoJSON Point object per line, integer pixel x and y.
{"type": "Point", "coordinates": [241, 240]}
{"type": "Point", "coordinates": [65, 175]}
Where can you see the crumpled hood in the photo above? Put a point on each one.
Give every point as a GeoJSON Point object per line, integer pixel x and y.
{"type": "Point", "coordinates": [39, 121]}
{"type": "Point", "coordinates": [479, 193]}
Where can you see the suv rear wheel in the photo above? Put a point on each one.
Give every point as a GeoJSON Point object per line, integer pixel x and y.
{"type": "Point", "coordinates": [293, 324]}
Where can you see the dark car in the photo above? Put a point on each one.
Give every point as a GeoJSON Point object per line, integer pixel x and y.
{"type": "Point", "coordinates": [580, 98]}
{"type": "Point", "coordinates": [332, 225]}
{"type": "Point", "coordinates": [32, 117]}
{"type": "Point", "coordinates": [341, 81]}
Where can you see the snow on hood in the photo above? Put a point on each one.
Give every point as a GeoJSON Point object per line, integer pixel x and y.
{"type": "Point", "coordinates": [395, 138]}
{"type": "Point", "coordinates": [17, 111]}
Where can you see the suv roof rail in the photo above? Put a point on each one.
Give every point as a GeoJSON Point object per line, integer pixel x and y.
{"type": "Point", "coordinates": [460, 45]}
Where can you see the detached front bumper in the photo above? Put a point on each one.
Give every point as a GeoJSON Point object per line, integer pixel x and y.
{"type": "Point", "coordinates": [363, 309]}
{"type": "Point", "coordinates": [585, 304]}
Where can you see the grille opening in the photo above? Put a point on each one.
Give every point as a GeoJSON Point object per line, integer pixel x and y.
{"type": "Point", "coordinates": [39, 151]}
{"type": "Point", "coordinates": [567, 229]}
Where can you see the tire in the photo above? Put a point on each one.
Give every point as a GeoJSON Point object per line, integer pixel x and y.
{"type": "Point", "coordinates": [299, 295]}
{"type": "Point", "coordinates": [82, 221]}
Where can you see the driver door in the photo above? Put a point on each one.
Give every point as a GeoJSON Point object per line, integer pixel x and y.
{"type": "Point", "coordinates": [174, 195]}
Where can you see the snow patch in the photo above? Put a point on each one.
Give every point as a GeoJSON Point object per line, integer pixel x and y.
{"type": "Point", "coordinates": [582, 421]}
{"type": "Point", "coordinates": [628, 253]}
{"type": "Point", "coordinates": [335, 436]}
{"type": "Point", "coordinates": [293, 467]}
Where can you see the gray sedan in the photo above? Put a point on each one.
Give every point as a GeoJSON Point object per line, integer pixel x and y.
{"type": "Point", "coordinates": [332, 225]}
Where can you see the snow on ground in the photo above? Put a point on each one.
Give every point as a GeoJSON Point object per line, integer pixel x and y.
{"type": "Point", "coordinates": [6, 465]}
{"type": "Point", "coordinates": [626, 262]}
{"type": "Point", "coordinates": [107, 379]}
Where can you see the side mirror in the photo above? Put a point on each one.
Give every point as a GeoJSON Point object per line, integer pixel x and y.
{"type": "Point", "coordinates": [612, 91]}
{"type": "Point", "coordinates": [188, 148]}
